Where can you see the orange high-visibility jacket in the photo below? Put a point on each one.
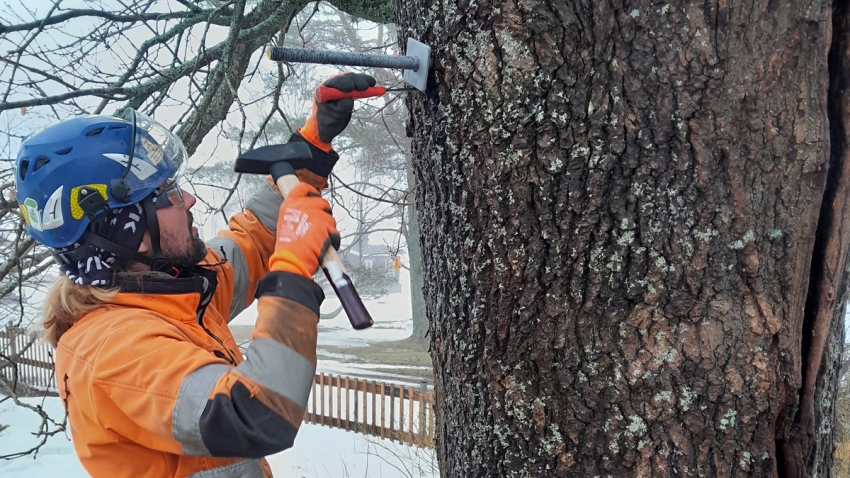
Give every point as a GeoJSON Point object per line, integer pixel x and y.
{"type": "Point", "coordinates": [154, 384]}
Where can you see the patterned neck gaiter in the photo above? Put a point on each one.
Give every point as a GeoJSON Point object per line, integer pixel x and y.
{"type": "Point", "coordinates": [125, 227]}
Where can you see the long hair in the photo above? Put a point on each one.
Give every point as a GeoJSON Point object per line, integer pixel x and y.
{"type": "Point", "coordinates": [66, 303]}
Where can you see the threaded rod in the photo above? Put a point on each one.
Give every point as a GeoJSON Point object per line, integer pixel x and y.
{"type": "Point", "coordinates": [325, 57]}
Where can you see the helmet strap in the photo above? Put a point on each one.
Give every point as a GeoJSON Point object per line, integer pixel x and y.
{"type": "Point", "coordinates": [159, 262]}
{"type": "Point", "coordinates": [91, 239]}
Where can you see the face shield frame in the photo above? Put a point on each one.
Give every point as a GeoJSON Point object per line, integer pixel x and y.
{"type": "Point", "coordinates": [154, 141]}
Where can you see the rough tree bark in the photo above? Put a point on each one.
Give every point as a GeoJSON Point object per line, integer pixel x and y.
{"type": "Point", "coordinates": [634, 228]}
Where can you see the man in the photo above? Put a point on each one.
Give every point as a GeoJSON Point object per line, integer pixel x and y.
{"type": "Point", "coordinates": [150, 375]}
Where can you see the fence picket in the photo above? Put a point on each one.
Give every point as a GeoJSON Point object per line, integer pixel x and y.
{"type": "Point", "coordinates": [401, 412]}
{"type": "Point", "coordinates": [313, 397]}
{"type": "Point", "coordinates": [373, 427]}
{"type": "Point", "coordinates": [338, 402]}
{"type": "Point", "coordinates": [383, 404]}
{"type": "Point", "coordinates": [322, 401]}
{"type": "Point", "coordinates": [410, 415]}
{"type": "Point", "coordinates": [356, 403]}
{"type": "Point", "coordinates": [420, 440]}
{"type": "Point", "coordinates": [431, 418]}
{"type": "Point", "coordinates": [347, 405]}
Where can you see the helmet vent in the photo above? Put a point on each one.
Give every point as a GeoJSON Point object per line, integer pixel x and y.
{"type": "Point", "coordinates": [63, 152]}
{"type": "Point", "coordinates": [39, 163]}
{"type": "Point", "coordinates": [22, 169]}
{"type": "Point", "coordinates": [95, 132]}
{"type": "Point", "coordinates": [120, 126]}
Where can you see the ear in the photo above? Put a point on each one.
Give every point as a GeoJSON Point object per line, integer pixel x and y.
{"type": "Point", "coordinates": [145, 247]}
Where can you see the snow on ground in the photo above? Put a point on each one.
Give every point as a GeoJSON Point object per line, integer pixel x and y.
{"type": "Point", "coordinates": [56, 457]}
{"type": "Point", "coordinates": [319, 452]}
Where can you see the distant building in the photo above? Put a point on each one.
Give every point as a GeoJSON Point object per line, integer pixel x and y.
{"type": "Point", "coordinates": [372, 265]}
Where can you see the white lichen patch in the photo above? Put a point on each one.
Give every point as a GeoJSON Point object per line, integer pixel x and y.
{"type": "Point", "coordinates": [636, 425]}
{"type": "Point", "coordinates": [627, 238]}
{"type": "Point", "coordinates": [707, 235]}
{"type": "Point", "coordinates": [664, 396]}
{"type": "Point", "coordinates": [728, 419]}
{"type": "Point", "coordinates": [686, 397]}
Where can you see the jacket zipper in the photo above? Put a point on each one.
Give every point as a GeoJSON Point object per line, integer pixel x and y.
{"type": "Point", "coordinates": [202, 307]}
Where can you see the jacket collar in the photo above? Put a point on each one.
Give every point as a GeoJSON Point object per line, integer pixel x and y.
{"type": "Point", "coordinates": [182, 298]}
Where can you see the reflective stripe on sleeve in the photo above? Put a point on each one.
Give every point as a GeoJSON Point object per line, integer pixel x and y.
{"type": "Point", "coordinates": [191, 400]}
{"type": "Point", "coordinates": [280, 369]}
{"type": "Point", "coordinates": [265, 204]}
{"type": "Point", "coordinates": [241, 277]}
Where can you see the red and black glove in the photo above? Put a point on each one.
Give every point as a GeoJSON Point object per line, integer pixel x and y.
{"type": "Point", "coordinates": [305, 230]}
{"type": "Point", "coordinates": [330, 118]}
{"type": "Point", "coordinates": [326, 122]}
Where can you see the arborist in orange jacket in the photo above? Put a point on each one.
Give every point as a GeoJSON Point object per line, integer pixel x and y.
{"type": "Point", "coordinates": [150, 375]}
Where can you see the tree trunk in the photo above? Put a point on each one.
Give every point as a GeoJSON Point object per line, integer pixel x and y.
{"type": "Point", "coordinates": [634, 224]}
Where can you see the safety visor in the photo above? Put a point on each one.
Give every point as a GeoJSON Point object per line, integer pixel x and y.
{"type": "Point", "coordinates": [146, 128]}
{"type": "Point", "coordinates": [169, 194]}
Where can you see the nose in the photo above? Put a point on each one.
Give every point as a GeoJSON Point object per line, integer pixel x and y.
{"type": "Point", "coordinates": [188, 200]}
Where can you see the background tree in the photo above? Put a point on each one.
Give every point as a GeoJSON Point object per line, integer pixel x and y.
{"type": "Point", "coordinates": [634, 232]}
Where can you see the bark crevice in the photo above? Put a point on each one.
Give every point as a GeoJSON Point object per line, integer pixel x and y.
{"type": "Point", "coordinates": [810, 451]}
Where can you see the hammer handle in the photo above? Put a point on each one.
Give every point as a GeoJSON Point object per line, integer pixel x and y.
{"type": "Point", "coordinates": [335, 272]}
{"type": "Point", "coordinates": [326, 93]}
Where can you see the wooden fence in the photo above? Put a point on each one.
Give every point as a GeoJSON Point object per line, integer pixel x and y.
{"type": "Point", "coordinates": [34, 359]}
{"type": "Point", "coordinates": [386, 410]}
{"type": "Point", "coordinates": [395, 412]}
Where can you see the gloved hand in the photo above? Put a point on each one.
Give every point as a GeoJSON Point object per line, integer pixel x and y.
{"type": "Point", "coordinates": [330, 118]}
{"type": "Point", "coordinates": [305, 230]}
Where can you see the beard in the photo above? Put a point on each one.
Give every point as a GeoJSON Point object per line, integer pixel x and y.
{"type": "Point", "coordinates": [193, 252]}
{"type": "Point", "coordinates": [189, 256]}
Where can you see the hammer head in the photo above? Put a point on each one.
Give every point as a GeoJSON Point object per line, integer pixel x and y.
{"type": "Point", "coordinates": [294, 155]}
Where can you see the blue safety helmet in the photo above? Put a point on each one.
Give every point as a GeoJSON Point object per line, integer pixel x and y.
{"type": "Point", "coordinates": [71, 173]}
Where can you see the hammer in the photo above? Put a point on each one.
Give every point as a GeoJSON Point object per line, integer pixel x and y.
{"type": "Point", "coordinates": [281, 161]}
